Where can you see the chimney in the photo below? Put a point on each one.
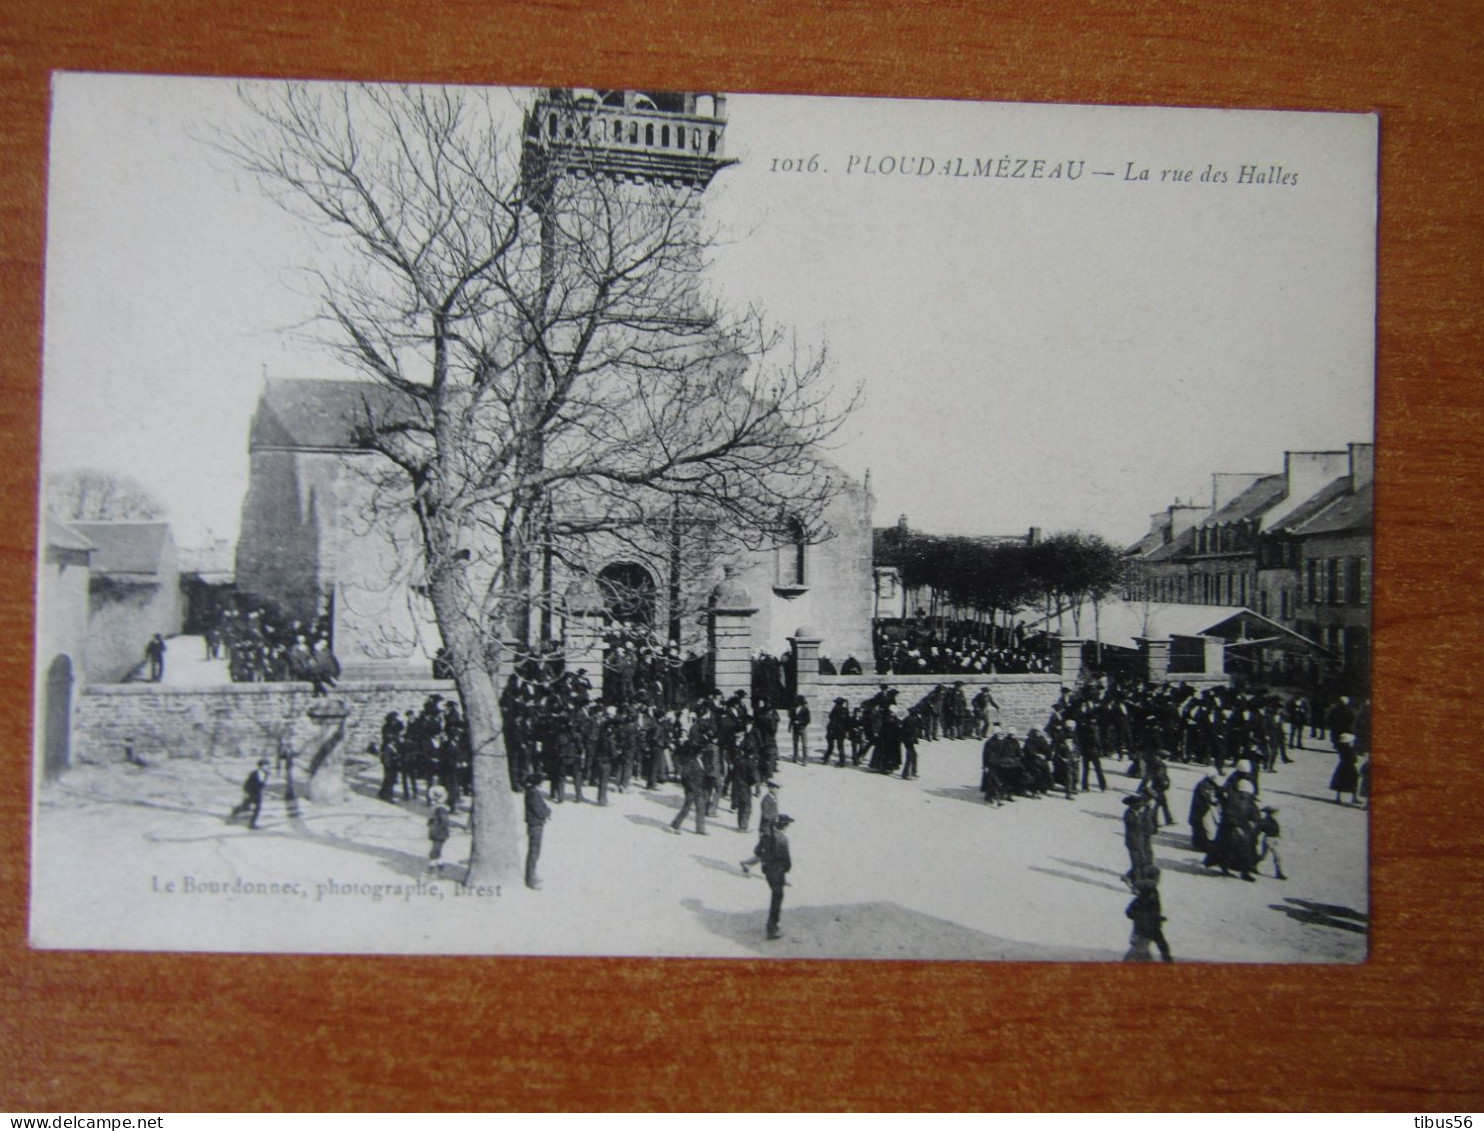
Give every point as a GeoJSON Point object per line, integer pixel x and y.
{"type": "Point", "coordinates": [1362, 465]}
{"type": "Point", "coordinates": [1305, 474]}
{"type": "Point", "coordinates": [1227, 485]}
{"type": "Point", "coordinates": [1182, 516]}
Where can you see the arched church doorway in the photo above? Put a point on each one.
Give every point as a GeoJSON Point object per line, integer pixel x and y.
{"type": "Point", "coordinates": [56, 739]}
{"type": "Point", "coordinates": [629, 595]}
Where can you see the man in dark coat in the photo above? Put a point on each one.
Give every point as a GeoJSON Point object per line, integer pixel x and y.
{"type": "Point", "coordinates": [693, 778]}
{"type": "Point", "coordinates": [773, 851]}
{"type": "Point", "coordinates": [537, 814]}
{"type": "Point", "coordinates": [1137, 838]}
{"type": "Point", "coordinates": [154, 652]}
{"type": "Point", "coordinates": [836, 730]}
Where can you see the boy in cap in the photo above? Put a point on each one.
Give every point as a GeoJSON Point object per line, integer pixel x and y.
{"type": "Point", "coordinates": [1268, 835]}
{"type": "Point", "coordinates": [766, 824]}
{"type": "Point", "coordinates": [439, 826]}
{"type": "Point", "coordinates": [1148, 919]}
{"type": "Point", "coordinates": [252, 794]}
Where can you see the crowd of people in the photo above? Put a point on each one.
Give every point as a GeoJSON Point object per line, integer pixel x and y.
{"type": "Point", "coordinates": [426, 752]}
{"type": "Point", "coordinates": [261, 645]}
{"type": "Point", "coordinates": [655, 724]}
{"type": "Point", "coordinates": [917, 647]}
{"type": "Point", "coordinates": [638, 666]}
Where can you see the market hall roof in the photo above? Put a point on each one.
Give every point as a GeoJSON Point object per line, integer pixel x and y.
{"type": "Point", "coordinates": [1123, 623]}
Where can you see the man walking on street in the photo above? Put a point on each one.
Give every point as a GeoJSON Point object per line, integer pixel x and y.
{"type": "Point", "coordinates": [252, 794]}
{"type": "Point", "coordinates": [773, 851]}
{"type": "Point", "coordinates": [693, 778]}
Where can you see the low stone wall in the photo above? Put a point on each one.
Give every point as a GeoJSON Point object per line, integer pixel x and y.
{"type": "Point", "coordinates": [240, 719]}
{"type": "Point", "coordinates": [1025, 700]}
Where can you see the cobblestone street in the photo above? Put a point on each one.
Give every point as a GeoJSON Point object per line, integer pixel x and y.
{"type": "Point", "coordinates": [883, 868]}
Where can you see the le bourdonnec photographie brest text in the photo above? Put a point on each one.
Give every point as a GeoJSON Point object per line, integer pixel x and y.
{"type": "Point", "coordinates": [638, 522]}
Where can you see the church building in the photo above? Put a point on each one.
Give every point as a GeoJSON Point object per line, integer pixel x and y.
{"type": "Point", "coordinates": [318, 539]}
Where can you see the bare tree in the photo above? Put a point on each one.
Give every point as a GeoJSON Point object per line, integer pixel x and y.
{"type": "Point", "coordinates": [548, 371]}
{"type": "Point", "coordinates": [88, 495]}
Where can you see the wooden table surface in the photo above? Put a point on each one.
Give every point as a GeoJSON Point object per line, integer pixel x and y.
{"type": "Point", "coordinates": [114, 1032]}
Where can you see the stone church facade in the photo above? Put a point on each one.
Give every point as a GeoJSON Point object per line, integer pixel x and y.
{"type": "Point", "coordinates": [318, 538]}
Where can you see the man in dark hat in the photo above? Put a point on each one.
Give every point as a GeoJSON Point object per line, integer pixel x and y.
{"type": "Point", "coordinates": [798, 726]}
{"type": "Point", "coordinates": [1137, 837]}
{"type": "Point", "coordinates": [836, 730]}
{"type": "Point", "coordinates": [773, 851]}
{"type": "Point", "coordinates": [538, 812]}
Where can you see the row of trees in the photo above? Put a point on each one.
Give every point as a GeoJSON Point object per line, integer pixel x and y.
{"type": "Point", "coordinates": [997, 580]}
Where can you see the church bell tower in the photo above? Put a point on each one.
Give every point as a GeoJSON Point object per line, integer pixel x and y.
{"type": "Point", "coordinates": [635, 136]}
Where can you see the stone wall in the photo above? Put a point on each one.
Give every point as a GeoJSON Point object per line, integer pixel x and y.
{"type": "Point", "coordinates": [245, 719]}
{"type": "Point", "coordinates": [1025, 700]}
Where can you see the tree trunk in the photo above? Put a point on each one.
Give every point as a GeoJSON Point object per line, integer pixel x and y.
{"type": "Point", "coordinates": [495, 857]}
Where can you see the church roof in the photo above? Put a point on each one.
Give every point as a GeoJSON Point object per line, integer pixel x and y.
{"type": "Point", "coordinates": [314, 414]}
{"type": "Point", "coordinates": [133, 548]}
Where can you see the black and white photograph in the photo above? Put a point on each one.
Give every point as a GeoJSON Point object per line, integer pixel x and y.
{"type": "Point", "coordinates": [569, 521]}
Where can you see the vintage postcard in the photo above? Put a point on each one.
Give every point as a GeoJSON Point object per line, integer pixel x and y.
{"type": "Point", "coordinates": [635, 522]}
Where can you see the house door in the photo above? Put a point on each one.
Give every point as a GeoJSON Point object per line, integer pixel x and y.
{"type": "Point", "coordinates": [57, 719]}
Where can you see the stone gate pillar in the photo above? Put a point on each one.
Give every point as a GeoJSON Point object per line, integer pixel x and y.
{"type": "Point", "coordinates": [729, 634]}
{"type": "Point", "coordinates": [1071, 660]}
{"type": "Point", "coordinates": [1215, 656]}
{"type": "Point", "coordinates": [586, 626]}
{"type": "Point", "coordinates": [327, 754]}
{"type": "Point", "coordinates": [806, 641]}
{"type": "Point", "coordinates": [1156, 657]}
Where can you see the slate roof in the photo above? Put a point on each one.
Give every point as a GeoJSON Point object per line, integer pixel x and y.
{"type": "Point", "coordinates": [313, 414]}
{"type": "Point", "coordinates": [1350, 513]}
{"type": "Point", "coordinates": [1183, 543]}
{"type": "Point", "coordinates": [133, 548]}
{"type": "Point", "coordinates": [1326, 495]}
{"type": "Point", "coordinates": [1256, 499]}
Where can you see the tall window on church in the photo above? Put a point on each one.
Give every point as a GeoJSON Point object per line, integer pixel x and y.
{"type": "Point", "coordinates": [793, 563]}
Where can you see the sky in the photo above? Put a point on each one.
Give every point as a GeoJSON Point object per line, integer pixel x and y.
{"type": "Point", "coordinates": [1067, 353]}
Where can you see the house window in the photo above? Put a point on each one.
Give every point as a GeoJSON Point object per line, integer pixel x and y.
{"type": "Point", "coordinates": [1365, 580]}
